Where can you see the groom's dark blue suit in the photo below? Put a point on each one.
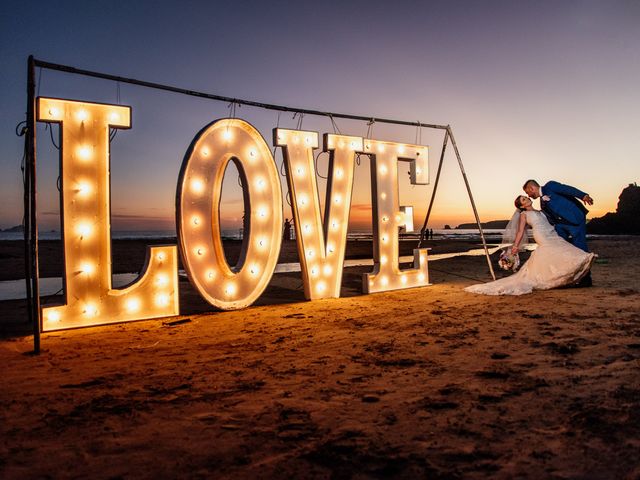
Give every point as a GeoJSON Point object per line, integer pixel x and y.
{"type": "Point", "coordinates": [565, 212]}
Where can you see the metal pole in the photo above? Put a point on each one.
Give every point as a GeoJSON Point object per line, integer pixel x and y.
{"type": "Point", "coordinates": [473, 204]}
{"type": "Point", "coordinates": [237, 101]}
{"type": "Point", "coordinates": [435, 187]}
{"type": "Point", "coordinates": [34, 291]}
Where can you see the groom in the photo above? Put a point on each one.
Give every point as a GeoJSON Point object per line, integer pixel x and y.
{"type": "Point", "coordinates": [565, 212]}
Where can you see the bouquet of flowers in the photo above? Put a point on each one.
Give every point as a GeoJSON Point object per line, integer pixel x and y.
{"type": "Point", "coordinates": [508, 260]}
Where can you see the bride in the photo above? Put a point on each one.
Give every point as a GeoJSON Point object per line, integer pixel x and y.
{"type": "Point", "coordinates": [555, 263]}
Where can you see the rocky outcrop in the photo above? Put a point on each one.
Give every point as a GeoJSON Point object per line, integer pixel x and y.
{"type": "Point", "coordinates": [625, 220]}
{"type": "Point", "coordinates": [498, 224]}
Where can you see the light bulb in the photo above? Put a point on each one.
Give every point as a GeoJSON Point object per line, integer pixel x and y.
{"type": "Point", "coordinates": [314, 271]}
{"type": "Point", "coordinates": [260, 183]}
{"type": "Point", "coordinates": [82, 115]}
{"type": "Point", "coordinates": [330, 248]}
{"type": "Point", "coordinates": [253, 153]}
{"type": "Point", "coordinates": [55, 113]}
{"type": "Point", "coordinates": [337, 198]}
{"type": "Point", "coordinates": [195, 220]}
{"type": "Point", "coordinates": [132, 305]}
{"type": "Point", "coordinates": [383, 259]}
{"type": "Point", "coordinates": [87, 268]}
{"type": "Point", "coordinates": [227, 134]}
{"type": "Point", "coordinates": [84, 229]}
{"type": "Point", "coordinates": [230, 288]}
{"type": "Point", "coordinates": [384, 239]}
{"type": "Point", "coordinates": [53, 316]}
{"type": "Point", "coordinates": [200, 251]}
{"type": "Point", "coordinates": [383, 195]}
{"type": "Point", "coordinates": [327, 270]}
{"type": "Point", "coordinates": [84, 152]}
{"type": "Point", "coordinates": [321, 287]}
{"type": "Point", "coordinates": [162, 280]}
{"type": "Point", "coordinates": [385, 219]}
{"type": "Point", "coordinates": [197, 186]}
{"type": "Point", "coordinates": [403, 279]}
{"type": "Point", "coordinates": [262, 242]}
{"type": "Point", "coordinates": [421, 277]}
{"type": "Point", "coordinates": [310, 253]}
{"type": "Point", "coordinates": [262, 212]}
{"type": "Point", "coordinates": [205, 151]}
{"type": "Point", "coordinates": [254, 269]}
{"type": "Point", "coordinates": [84, 189]}
{"type": "Point", "coordinates": [162, 300]}
{"type": "Point", "coordinates": [381, 148]}
{"type": "Point", "coordinates": [302, 200]}
{"type": "Point", "coordinates": [307, 228]}
{"type": "Point", "coordinates": [382, 170]}
{"type": "Point", "coordinates": [334, 224]}
{"type": "Point", "coordinates": [307, 140]}
{"type": "Point", "coordinates": [384, 280]}
{"type": "Point", "coordinates": [401, 149]}
{"type": "Point", "coordinates": [114, 117]}
{"type": "Point", "coordinates": [90, 310]}
{"type": "Point", "coordinates": [300, 171]}
{"type": "Point", "coordinates": [353, 145]}
{"type": "Point", "coordinates": [160, 256]}
{"type": "Point", "coordinates": [211, 275]}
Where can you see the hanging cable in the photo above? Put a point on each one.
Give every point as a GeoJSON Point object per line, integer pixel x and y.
{"type": "Point", "coordinates": [300, 116]}
{"type": "Point", "coordinates": [370, 128]}
{"type": "Point", "coordinates": [334, 125]}
{"type": "Point", "coordinates": [49, 127]}
{"type": "Point", "coordinates": [21, 130]}
{"type": "Point", "coordinates": [316, 166]}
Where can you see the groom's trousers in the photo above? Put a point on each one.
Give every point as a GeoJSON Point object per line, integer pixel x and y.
{"type": "Point", "coordinates": [574, 234]}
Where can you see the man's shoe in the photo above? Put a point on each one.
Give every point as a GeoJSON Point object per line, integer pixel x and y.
{"type": "Point", "coordinates": [585, 282]}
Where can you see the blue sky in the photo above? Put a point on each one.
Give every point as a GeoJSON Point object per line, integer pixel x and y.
{"type": "Point", "coordinates": [543, 89]}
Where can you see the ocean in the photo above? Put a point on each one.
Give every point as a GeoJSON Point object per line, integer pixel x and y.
{"type": "Point", "coordinates": [470, 234]}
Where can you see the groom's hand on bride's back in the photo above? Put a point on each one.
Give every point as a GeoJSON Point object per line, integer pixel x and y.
{"type": "Point", "coordinates": [587, 200]}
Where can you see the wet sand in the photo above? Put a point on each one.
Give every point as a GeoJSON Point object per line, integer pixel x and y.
{"type": "Point", "coordinates": [420, 383]}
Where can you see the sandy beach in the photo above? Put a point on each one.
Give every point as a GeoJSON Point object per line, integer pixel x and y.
{"type": "Point", "coordinates": [420, 383]}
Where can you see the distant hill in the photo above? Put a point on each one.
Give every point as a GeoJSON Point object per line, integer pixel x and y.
{"type": "Point", "coordinates": [494, 224]}
{"type": "Point", "coordinates": [625, 220]}
{"type": "Point", "coordinates": [17, 228]}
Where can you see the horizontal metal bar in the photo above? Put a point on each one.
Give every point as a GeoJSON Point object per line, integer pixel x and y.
{"type": "Point", "coordinates": [220, 98]}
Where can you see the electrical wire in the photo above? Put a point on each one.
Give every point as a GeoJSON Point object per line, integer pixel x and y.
{"type": "Point", "coordinates": [315, 164]}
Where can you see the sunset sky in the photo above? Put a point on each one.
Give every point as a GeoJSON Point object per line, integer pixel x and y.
{"type": "Point", "coordinates": [540, 89]}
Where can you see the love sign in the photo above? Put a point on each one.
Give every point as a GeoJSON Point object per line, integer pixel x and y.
{"type": "Point", "coordinates": [90, 296]}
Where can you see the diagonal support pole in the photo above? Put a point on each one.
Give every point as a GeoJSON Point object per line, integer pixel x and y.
{"type": "Point", "coordinates": [435, 188]}
{"type": "Point", "coordinates": [473, 204]}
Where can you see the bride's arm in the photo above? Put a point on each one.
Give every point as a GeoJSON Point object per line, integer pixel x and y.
{"type": "Point", "coordinates": [521, 227]}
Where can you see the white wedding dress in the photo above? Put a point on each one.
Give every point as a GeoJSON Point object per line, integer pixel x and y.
{"type": "Point", "coordinates": [554, 263]}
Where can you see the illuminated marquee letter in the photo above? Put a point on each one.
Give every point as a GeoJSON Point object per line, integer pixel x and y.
{"type": "Point", "coordinates": [198, 215]}
{"type": "Point", "coordinates": [321, 255]}
{"type": "Point", "coordinates": [90, 298]}
{"type": "Point", "coordinates": [388, 218]}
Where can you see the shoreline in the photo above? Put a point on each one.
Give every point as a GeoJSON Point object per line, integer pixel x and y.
{"type": "Point", "coordinates": [128, 255]}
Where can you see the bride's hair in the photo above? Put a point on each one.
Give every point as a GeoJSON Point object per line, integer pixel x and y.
{"type": "Point", "coordinates": [518, 204]}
